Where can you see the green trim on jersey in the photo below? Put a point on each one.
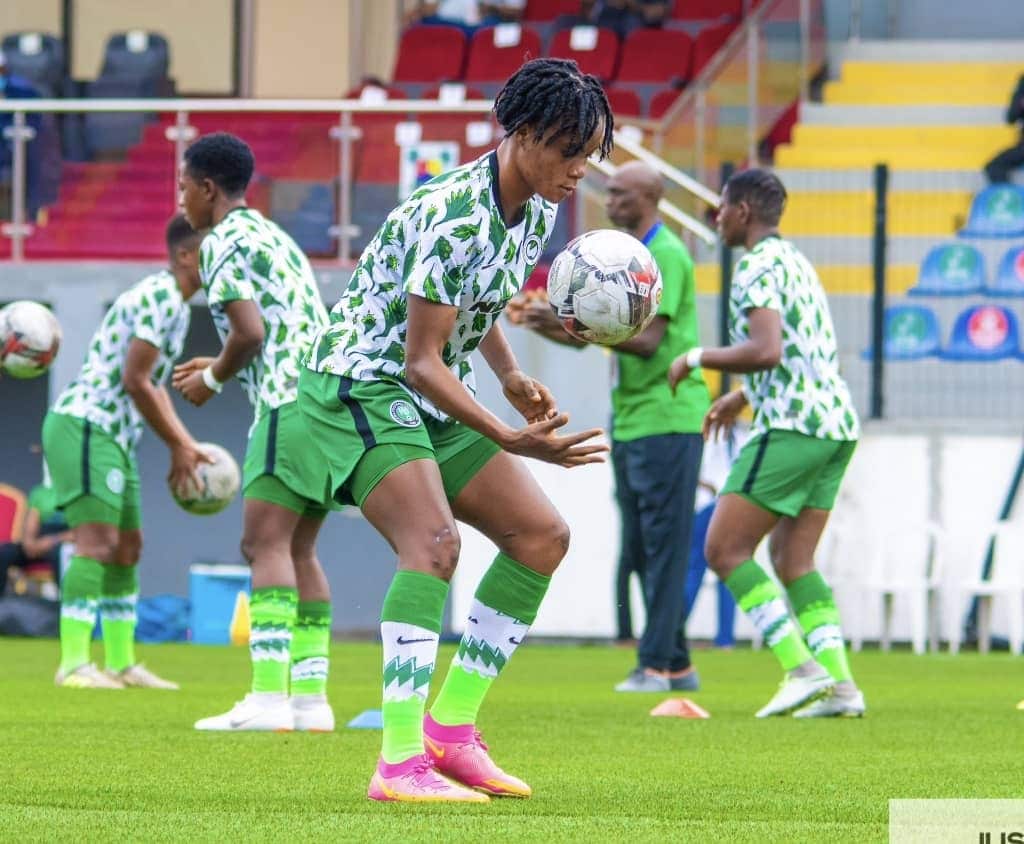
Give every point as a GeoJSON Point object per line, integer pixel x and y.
{"type": "Point", "coordinates": [94, 479]}
{"type": "Point", "coordinates": [447, 243]}
{"type": "Point", "coordinates": [642, 403]}
{"type": "Point", "coordinates": [366, 429]}
{"type": "Point", "coordinates": [804, 392]}
{"type": "Point", "coordinates": [785, 472]}
{"type": "Point", "coordinates": [248, 257]}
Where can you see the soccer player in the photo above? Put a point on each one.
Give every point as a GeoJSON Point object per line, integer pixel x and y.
{"type": "Point", "coordinates": [266, 306]}
{"type": "Point", "coordinates": [89, 440]}
{"type": "Point", "coordinates": [388, 397]}
{"type": "Point", "coordinates": [785, 480]}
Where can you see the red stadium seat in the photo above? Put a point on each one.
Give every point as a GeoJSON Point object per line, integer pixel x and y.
{"type": "Point", "coordinates": [707, 10]}
{"type": "Point", "coordinates": [661, 101]}
{"type": "Point", "coordinates": [625, 102]}
{"type": "Point", "coordinates": [469, 93]}
{"type": "Point", "coordinates": [548, 10]}
{"type": "Point", "coordinates": [709, 41]}
{"type": "Point", "coordinates": [430, 54]}
{"type": "Point", "coordinates": [489, 62]}
{"type": "Point", "coordinates": [599, 61]}
{"type": "Point", "coordinates": [655, 55]}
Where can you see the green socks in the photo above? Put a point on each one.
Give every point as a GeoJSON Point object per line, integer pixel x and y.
{"type": "Point", "coordinates": [117, 615]}
{"type": "Point", "coordinates": [504, 607]}
{"type": "Point", "coordinates": [410, 626]}
{"type": "Point", "coordinates": [310, 641]}
{"type": "Point", "coordinates": [272, 611]}
{"type": "Point", "coordinates": [761, 599]}
{"type": "Point", "coordinates": [816, 611]}
{"type": "Point", "coordinates": [80, 596]}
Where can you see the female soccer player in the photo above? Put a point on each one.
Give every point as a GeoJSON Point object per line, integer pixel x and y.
{"type": "Point", "coordinates": [387, 396]}
{"type": "Point", "coordinates": [785, 479]}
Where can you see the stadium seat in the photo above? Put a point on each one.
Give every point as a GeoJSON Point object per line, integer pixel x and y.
{"type": "Point", "coordinates": [996, 211]}
{"type": "Point", "coordinates": [542, 11]}
{"type": "Point", "coordinates": [908, 563]}
{"type": "Point", "coordinates": [708, 42]}
{"type": "Point", "coordinates": [950, 269]}
{"type": "Point", "coordinates": [983, 333]}
{"type": "Point", "coordinates": [430, 54]}
{"type": "Point", "coordinates": [594, 49]}
{"type": "Point", "coordinates": [625, 102]}
{"type": "Point", "coordinates": [911, 332]}
{"type": "Point", "coordinates": [113, 132]}
{"type": "Point", "coordinates": [655, 56]}
{"type": "Point", "coordinates": [707, 10]}
{"type": "Point", "coordinates": [496, 52]}
{"type": "Point", "coordinates": [142, 56]}
{"type": "Point", "coordinates": [1009, 279]}
{"type": "Point", "coordinates": [661, 102]}
{"type": "Point", "coordinates": [37, 57]}
{"type": "Point", "coordinates": [1006, 579]}
{"type": "Point", "coordinates": [12, 513]}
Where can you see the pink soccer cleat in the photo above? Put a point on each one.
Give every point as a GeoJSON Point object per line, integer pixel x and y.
{"type": "Point", "coordinates": [460, 753]}
{"type": "Point", "coordinates": [417, 781]}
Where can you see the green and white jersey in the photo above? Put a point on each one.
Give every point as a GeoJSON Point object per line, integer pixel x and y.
{"type": "Point", "coordinates": [805, 392]}
{"type": "Point", "coordinates": [154, 311]}
{"type": "Point", "coordinates": [246, 256]}
{"type": "Point", "coordinates": [447, 243]}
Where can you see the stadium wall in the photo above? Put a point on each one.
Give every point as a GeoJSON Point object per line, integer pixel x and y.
{"type": "Point", "coordinates": [42, 15]}
{"type": "Point", "coordinates": [903, 473]}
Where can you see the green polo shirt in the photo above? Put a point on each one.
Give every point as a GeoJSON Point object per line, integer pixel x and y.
{"type": "Point", "coordinates": [642, 404]}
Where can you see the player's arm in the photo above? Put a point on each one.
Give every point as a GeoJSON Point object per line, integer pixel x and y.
{"type": "Point", "coordinates": [34, 545]}
{"type": "Point", "coordinates": [646, 343]}
{"type": "Point", "coordinates": [527, 395]}
{"type": "Point", "coordinates": [154, 404]}
{"type": "Point", "coordinates": [430, 325]}
{"type": "Point", "coordinates": [539, 318]}
{"type": "Point", "coordinates": [200, 379]}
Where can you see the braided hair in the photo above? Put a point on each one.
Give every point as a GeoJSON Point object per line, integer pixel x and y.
{"type": "Point", "coordinates": [762, 191]}
{"type": "Point", "coordinates": [555, 96]}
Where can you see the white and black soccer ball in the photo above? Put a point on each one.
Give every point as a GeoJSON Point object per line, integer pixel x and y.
{"type": "Point", "coordinates": [219, 483]}
{"type": "Point", "coordinates": [604, 287]}
{"type": "Point", "coordinates": [30, 336]}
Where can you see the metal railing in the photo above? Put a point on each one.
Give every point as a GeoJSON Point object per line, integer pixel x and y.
{"type": "Point", "coordinates": [181, 133]}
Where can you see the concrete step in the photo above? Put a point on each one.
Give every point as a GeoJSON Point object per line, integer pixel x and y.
{"type": "Point", "coordinates": [897, 157]}
{"type": "Point", "coordinates": [836, 114]}
{"type": "Point", "coordinates": [901, 250]}
{"type": "Point", "coordinates": [932, 51]}
{"type": "Point", "coordinates": [797, 179]}
{"type": "Point", "coordinates": [896, 92]}
{"type": "Point", "coordinates": [933, 73]}
{"type": "Point", "coordinates": [931, 137]}
{"type": "Point", "coordinates": [852, 212]}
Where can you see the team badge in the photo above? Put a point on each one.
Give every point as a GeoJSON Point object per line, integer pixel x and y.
{"type": "Point", "coordinates": [115, 481]}
{"type": "Point", "coordinates": [532, 249]}
{"type": "Point", "coordinates": [404, 414]}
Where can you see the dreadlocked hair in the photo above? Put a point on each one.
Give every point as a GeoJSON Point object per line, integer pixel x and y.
{"type": "Point", "coordinates": [554, 96]}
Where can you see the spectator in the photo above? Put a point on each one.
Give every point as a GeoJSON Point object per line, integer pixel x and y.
{"type": "Point", "coordinates": [999, 168]}
{"type": "Point", "coordinates": [468, 15]}
{"type": "Point", "coordinates": [15, 88]}
{"type": "Point", "coordinates": [42, 534]}
{"type": "Point", "coordinates": [656, 441]}
{"type": "Point", "coordinates": [622, 16]}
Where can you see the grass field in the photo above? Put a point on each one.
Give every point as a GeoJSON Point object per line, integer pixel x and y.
{"type": "Point", "coordinates": [93, 765]}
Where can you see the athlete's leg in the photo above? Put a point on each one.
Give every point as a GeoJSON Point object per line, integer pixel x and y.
{"type": "Point", "coordinates": [95, 550]}
{"type": "Point", "coordinates": [118, 604]}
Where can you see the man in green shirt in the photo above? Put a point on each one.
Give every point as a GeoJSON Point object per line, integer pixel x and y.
{"type": "Point", "coordinates": [656, 448]}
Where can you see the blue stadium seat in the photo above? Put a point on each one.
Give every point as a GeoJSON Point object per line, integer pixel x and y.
{"type": "Point", "coordinates": [142, 56]}
{"type": "Point", "coordinates": [911, 332]}
{"type": "Point", "coordinates": [951, 269]}
{"type": "Point", "coordinates": [983, 333]}
{"type": "Point", "coordinates": [37, 57]}
{"type": "Point", "coordinates": [997, 211]}
{"type": "Point", "coordinates": [1009, 280]}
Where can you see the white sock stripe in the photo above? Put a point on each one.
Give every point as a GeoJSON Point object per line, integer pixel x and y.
{"type": "Point", "coordinates": [269, 656]}
{"type": "Point", "coordinates": [311, 668]}
{"type": "Point", "coordinates": [79, 611]}
{"type": "Point", "coordinates": [825, 637]}
{"type": "Point", "coordinates": [256, 636]}
{"type": "Point", "coordinates": [410, 653]}
{"type": "Point", "coordinates": [765, 616]}
{"type": "Point", "coordinates": [779, 633]}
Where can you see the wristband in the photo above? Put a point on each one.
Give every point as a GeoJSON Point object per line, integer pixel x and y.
{"type": "Point", "coordinates": [211, 382]}
{"type": "Point", "coordinates": [693, 357]}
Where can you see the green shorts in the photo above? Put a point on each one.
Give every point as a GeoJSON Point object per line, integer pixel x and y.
{"type": "Point", "coordinates": [94, 479]}
{"type": "Point", "coordinates": [283, 467]}
{"type": "Point", "coordinates": [366, 429]}
{"type": "Point", "coordinates": [785, 472]}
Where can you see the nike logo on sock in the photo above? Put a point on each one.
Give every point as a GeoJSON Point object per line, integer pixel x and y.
{"type": "Point", "coordinates": [474, 620]}
{"type": "Point", "coordinates": [515, 641]}
{"type": "Point", "coordinates": [402, 641]}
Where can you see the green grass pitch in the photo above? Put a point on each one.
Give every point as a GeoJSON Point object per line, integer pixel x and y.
{"type": "Point", "coordinates": [127, 765]}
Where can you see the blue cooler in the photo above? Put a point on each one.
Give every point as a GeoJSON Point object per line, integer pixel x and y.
{"type": "Point", "coordinates": [213, 591]}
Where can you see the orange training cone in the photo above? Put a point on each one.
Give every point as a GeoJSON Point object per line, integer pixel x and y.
{"type": "Point", "coordinates": [680, 707]}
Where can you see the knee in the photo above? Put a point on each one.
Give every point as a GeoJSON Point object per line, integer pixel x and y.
{"type": "Point", "coordinates": [249, 546]}
{"type": "Point", "coordinates": [543, 548]}
{"type": "Point", "coordinates": [722, 554]}
{"type": "Point", "coordinates": [100, 546]}
{"type": "Point", "coordinates": [130, 550]}
{"type": "Point", "coordinates": [437, 554]}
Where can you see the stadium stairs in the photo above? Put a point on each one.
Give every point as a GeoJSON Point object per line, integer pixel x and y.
{"type": "Point", "coordinates": [933, 111]}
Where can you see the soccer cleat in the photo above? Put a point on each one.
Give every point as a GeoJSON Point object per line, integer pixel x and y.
{"type": "Point", "coordinates": [460, 753]}
{"type": "Point", "coordinates": [416, 780]}
{"type": "Point", "coordinates": [796, 691]}
{"type": "Point", "coordinates": [835, 706]}
{"type": "Point", "coordinates": [640, 680]}
{"type": "Point", "coordinates": [139, 677]}
{"type": "Point", "coordinates": [313, 714]}
{"type": "Point", "coordinates": [256, 711]}
{"type": "Point", "coordinates": [86, 676]}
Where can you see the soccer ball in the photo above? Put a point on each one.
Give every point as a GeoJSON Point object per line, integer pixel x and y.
{"type": "Point", "coordinates": [219, 481]}
{"type": "Point", "coordinates": [604, 287]}
{"type": "Point", "coordinates": [29, 339]}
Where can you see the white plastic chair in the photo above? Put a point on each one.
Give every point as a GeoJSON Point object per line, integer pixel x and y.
{"type": "Point", "coordinates": [907, 562]}
{"type": "Point", "coordinates": [1006, 579]}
